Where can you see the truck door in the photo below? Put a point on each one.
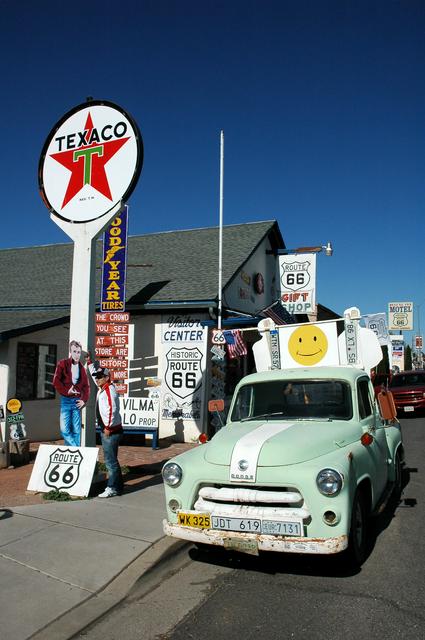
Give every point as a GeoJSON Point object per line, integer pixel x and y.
{"type": "Point", "coordinates": [378, 450]}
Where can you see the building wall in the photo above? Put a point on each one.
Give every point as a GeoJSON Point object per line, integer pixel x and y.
{"type": "Point", "coordinates": [245, 292]}
{"type": "Point", "coordinates": [150, 362]}
{"type": "Point", "coordinates": [41, 416]}
{"type": "Point", "coordinates": [248, 292]}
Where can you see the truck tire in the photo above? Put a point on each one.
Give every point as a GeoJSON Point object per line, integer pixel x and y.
{"type": "Point", "coordinates": [357, 540]}
{"type": "Point", "coordinates": [398, 477]}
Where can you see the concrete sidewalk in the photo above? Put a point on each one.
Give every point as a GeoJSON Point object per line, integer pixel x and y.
{"type": "Point", "coordinates": [63, 564]}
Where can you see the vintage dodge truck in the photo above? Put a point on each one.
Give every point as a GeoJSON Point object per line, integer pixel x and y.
{"type": "Point", "coordinates": [306, 456]}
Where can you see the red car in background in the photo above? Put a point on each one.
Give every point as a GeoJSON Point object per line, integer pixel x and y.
{"type": "Point", "coordinates": [408, 389]}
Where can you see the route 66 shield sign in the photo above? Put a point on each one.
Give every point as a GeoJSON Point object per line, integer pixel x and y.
{"type": "Point", "coordinates": [218, 337]}
{"type": "Point", "coordinates": [62, 467]}
{"type": "Point", "coordinates": [63, 470]}
{"type": "Point", "coordinates": [295, 273]}
{"type": "Point", "coordinates": [184, 371]}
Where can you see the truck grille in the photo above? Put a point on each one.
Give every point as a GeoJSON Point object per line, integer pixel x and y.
{"type": "Point", "coordinates": [253, 503]}
{"type": "Point", "coordinates": [414, 396]}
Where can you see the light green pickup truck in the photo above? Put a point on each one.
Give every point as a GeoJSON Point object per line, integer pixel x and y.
{"type": "Point", "coordinates": [306, 457]}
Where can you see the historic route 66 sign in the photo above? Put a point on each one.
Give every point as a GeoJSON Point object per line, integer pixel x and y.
{"type": "Point", "coordinates": [63, 470]}
{"type": "Point", "coordinates": [184, 371]}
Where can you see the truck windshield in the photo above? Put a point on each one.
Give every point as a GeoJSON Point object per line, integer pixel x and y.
{"type": "Point", "coordinates": [302, 399]}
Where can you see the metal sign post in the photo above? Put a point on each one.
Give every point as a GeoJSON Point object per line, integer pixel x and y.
{"type": "Point", "coordinates": [83, 301]}
{"type": "Point", "coordinates": [89, 166]}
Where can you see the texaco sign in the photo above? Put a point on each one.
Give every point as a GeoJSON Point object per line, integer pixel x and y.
{"type": "Point", "coordinates": [90, 161]}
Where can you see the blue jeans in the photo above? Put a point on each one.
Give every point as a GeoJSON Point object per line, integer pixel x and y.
{"type": "Point", "coordinates": [110, 446]}
{"type": "Point", "coordinates": [70, 421]}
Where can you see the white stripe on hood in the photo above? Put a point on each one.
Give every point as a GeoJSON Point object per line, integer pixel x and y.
{"type": "Point", "coordinates": [247, 451]}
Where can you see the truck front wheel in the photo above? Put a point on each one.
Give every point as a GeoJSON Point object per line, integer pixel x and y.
{"type": "Point", "coordinates": [357, 540]}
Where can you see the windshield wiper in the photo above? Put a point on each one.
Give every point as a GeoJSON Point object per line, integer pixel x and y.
{"type": "Point", "coordinates": [263, 416]}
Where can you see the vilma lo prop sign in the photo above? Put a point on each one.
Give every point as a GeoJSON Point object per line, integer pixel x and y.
{"type": "Point", "coordinates": [90, 162]}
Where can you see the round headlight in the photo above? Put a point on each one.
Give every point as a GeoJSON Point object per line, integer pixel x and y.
{"type": "Point", "coordinates": [329, 482]}
{"type": "Point", "coordinates": [172, 474]}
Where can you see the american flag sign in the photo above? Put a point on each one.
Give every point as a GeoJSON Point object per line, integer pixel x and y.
{"type": "Point", "coordinates": [235, 343]}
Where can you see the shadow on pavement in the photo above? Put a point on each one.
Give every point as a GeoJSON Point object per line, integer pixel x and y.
{"type": "Point", "coordinates": [272, 563]}
{"type": "Point", "coordinates": [143, 484]}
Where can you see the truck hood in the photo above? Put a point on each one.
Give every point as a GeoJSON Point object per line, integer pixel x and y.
{"type": "Point", "coordinates": [279, 443]}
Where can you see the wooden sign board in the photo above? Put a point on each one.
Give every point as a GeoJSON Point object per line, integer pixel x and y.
{"type": "Point", "coordinates": [68, 469]}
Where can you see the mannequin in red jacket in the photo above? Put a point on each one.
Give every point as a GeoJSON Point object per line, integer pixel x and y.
{"type": "Point", "coordinates": [70, 380]}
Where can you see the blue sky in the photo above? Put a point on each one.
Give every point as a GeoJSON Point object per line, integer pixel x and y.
{"type": "Point", "coordinates": [322, 103]}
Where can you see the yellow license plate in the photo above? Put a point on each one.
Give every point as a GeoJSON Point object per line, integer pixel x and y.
{"type": "Point", "coordinates": [197, 520]}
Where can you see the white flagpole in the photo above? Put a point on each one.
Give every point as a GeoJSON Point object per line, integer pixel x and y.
{"type": "Point", "coordinates": [220, 242]}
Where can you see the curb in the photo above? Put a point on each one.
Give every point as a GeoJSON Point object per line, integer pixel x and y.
{"type": "Point", "coordinates": [67, 625]}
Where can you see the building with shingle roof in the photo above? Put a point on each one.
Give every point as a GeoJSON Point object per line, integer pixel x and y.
{"type": "Point", "coordinates": [171, 277]}
{"type": "Point", "coordinates": [163, 269]}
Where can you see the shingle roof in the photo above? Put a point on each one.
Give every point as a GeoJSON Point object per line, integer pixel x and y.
{"type": "Point", "coordinates": [35, 287]}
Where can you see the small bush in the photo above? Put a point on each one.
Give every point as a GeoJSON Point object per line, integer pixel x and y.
{"type": "Point", "coordinates": [55, 494]}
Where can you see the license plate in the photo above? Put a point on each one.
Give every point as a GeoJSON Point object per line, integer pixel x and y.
{"type": "Point", "coordinates": [279, 528]}
{"type": "Point", "coordinates": [255, 525]}
{"type": "Point", "coordinates": [244, 525]}
{"type": "Point", "coordinates": [243, 546]}
{"type": "Point", "coordinates": [409, 408]}
{"type": "Point", "coordinates": [196, 520]}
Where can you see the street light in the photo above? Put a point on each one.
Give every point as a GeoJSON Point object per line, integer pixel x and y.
{"type": "Point", "coordinates": [327, 248]}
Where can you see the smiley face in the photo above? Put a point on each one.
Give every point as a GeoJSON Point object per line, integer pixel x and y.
{"type": "Point", "coordinates": [308, 345]}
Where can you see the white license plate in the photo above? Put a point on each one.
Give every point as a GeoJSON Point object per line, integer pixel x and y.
{"type": "Point", "coordinates": [279, 528]}
{"type": "Point", "coordinates": [255, 525]}
{"type": "Point", "coordinates": [245, 525]}
{"type": "Point", "coordinates": [409, 408]}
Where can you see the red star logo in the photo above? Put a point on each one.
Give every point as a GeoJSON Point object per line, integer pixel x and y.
{"type": "Point", "coordinates": [87, 164]}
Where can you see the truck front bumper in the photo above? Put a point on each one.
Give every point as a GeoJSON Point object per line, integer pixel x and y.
{"type": "Point", "coordinates": [245, 542]}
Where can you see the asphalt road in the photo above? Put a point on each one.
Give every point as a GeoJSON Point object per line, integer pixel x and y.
{"type": "Point", "coordinates": [213, 595]}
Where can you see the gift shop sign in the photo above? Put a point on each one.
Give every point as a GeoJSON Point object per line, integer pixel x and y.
{"type": "Point", "coordinates": [68, 469]}
{"type": "Point", "coordinates": [297, 277]}
{"type": "Point", "coordinates": [90, 162]}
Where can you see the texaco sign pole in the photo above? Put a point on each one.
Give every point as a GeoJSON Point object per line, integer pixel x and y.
{"type": "Point", "coordinates": [89, 166]}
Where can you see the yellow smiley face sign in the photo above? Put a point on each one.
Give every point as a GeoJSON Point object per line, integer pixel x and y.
{"type": "Point", "coordinates": [308, 345]}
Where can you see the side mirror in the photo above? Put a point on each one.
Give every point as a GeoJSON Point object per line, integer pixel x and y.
{"type": "Point", "coordinates": [216, 405]}
{"type": "Point", "coordinates": [386, 405]}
